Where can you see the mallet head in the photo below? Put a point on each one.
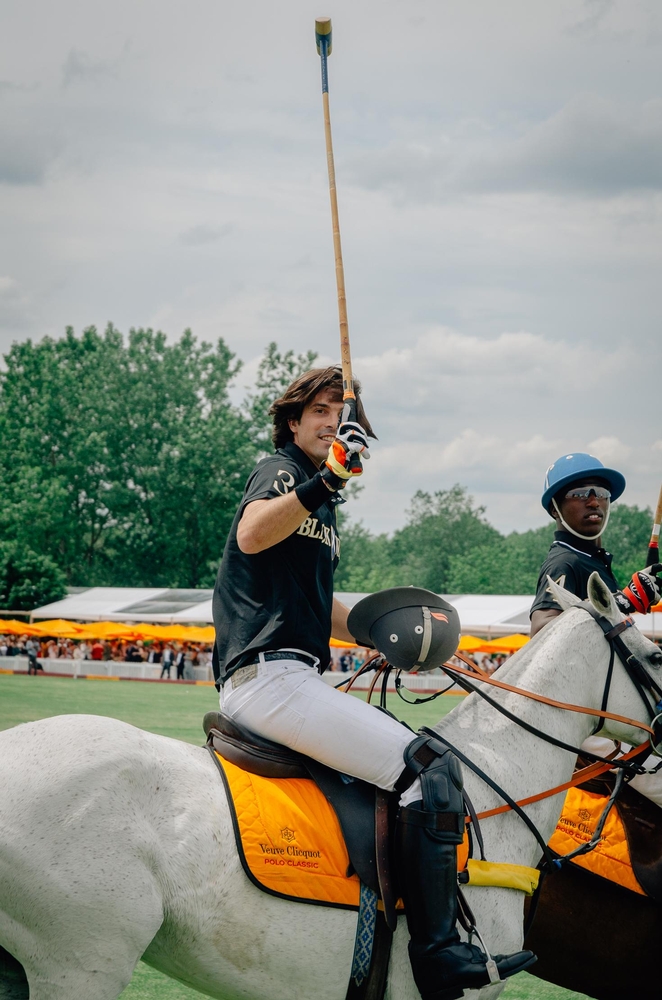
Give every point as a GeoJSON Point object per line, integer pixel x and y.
{"type": "Point", "coordinates": [323, 31]}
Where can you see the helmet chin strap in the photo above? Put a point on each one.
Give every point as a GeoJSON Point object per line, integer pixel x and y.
{"type": "Point", "coordinates": [577, 534]}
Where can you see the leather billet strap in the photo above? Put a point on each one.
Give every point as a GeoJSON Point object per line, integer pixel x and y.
{"type": "Point", "coordinates": [418, 755]}
{"type": "Point", "coordinates": [439, 822]}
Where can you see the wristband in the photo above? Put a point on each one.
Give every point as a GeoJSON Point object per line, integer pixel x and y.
{"type": "Point", "coordinates": [313, 493]}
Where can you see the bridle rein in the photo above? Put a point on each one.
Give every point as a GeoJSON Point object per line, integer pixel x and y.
{"type": "Point", "coordinates": [473, 679]}
{"type": "Point", "coordinates": [627, 766]}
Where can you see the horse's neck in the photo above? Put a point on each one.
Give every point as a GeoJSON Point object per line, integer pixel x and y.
{"type": "Point", "coordinates": [565, 664]}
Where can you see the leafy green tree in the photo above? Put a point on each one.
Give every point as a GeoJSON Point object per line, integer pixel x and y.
{"type": "Point", "coordinates": [509, 565]}
{"type": "Point", "coordinates": [441, 525]}
{"type": "Point", "coordinates": [28, 579]}
{"type": "Point", "coordinates": [122, 461]}
{"type": "Point", "coordinates": [365, 560]}
{"type": "Point", "coordinates": [627, 537]}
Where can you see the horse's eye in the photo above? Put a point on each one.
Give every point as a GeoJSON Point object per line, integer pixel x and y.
{"type": "Point", "coordinates": [656, 658]}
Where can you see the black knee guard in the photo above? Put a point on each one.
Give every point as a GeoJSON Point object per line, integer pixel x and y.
{"type": "Point", "coordinates": [440, 773]}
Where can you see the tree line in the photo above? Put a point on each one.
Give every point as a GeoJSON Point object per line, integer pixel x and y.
{"type": "Point", "coordinates": [123, 460]}
{"type": "Point", "coordinates": [448, 546]}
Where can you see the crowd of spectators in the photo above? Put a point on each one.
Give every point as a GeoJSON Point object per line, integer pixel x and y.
{"type": "Point", "coordinates": [180, 656]}
{"type": "Point", "coordinates": [347, 660]}
{"type": "Point", "coordinates": [176, 658]}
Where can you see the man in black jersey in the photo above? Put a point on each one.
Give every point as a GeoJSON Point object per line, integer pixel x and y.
{"type": "Point", "coordinates": [578, 493]}
{"type": "Point", "coordinates": [274, 613]}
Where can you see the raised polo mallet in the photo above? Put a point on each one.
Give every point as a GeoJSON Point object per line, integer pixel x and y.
{"type": "Point", "coordinates": [654, 544]}
{"type": "Point", "coordinates": [323, 39]}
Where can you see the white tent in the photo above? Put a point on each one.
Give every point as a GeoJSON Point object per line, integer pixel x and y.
{"type": "Point", "coordinates": [488, 615]}
{"type": "Point", "coordinates": [134, 604]}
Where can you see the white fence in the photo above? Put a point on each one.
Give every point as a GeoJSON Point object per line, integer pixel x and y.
{"type": "Point", "coordinates": [431, 680]}
{"type": "Point", "coordinates": [102, 668]}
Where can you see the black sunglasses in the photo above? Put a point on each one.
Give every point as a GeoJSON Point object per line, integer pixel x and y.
{"type": "Point", "coordinates": [584, 492]}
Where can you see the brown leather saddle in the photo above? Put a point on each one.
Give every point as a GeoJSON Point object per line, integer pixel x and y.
{"type": "Point", "coordinates": [366, 813]}
{"type": "Point", "coordinates": [642, 821]}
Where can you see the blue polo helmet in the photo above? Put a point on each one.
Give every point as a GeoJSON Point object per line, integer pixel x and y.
{"type": "Point", "coordinates": [569, 468]}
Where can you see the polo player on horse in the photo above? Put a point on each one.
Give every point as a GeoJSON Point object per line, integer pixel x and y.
{"type": "Point", "coordinates": [274, 613]}
{"type": "Point", "coordinates": [578, 494]}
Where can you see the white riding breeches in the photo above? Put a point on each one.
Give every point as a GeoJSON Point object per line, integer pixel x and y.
{"type": "Point", "coordinates": [288, 702]}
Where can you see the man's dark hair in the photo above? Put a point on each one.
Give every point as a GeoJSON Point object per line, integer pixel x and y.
{"type": "Point", "coordinates": [302, 391]}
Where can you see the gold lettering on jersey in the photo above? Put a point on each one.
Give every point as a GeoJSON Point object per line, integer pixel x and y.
{"type": "Point", "coordinates": [321, 532]}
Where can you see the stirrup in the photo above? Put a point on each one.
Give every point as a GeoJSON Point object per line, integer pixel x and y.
{"type": "Point", "coordinates": [490, 965]}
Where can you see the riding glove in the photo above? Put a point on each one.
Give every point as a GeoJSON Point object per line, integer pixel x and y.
{"type": "Point", "coordinates": [642, 592]}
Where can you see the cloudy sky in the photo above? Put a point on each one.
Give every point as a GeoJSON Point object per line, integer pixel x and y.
{"type": "Point", "coordinates": [499, 173]}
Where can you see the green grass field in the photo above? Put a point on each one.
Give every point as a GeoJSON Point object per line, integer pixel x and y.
{"type": "Point", "coordinates": [176, 710]}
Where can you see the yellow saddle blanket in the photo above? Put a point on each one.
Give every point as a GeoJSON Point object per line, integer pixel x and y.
{"type": "Point", "coordinates": [290, 842]}
{"type": "Point", "coordinates": [289, 838]}
{"type": "Point", "coordinates": [611, 858]}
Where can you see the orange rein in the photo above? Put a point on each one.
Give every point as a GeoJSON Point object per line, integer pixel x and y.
{"type": "Point", "coordinates": [486, 679]}
{"type": "Point", "coordinates": [584, 774]}
{"type": "Point", "coordinates": [591, 771]}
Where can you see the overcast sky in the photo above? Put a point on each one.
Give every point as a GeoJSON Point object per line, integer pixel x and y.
{"type": "Point", "coordinates": [499, 171]}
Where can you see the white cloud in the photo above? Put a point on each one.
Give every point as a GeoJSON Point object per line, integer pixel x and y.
{"type": "Point", "coordinates": [445, 369]}
{"type": "Point", "coordinates": [609, 450]}
{"type": "Point", "coordinates": [8, 287]}
{"type": "Point", "coordinates": [592, 147]}
{"type": "Point", "coordinates": [201, 234]}
{"type": "Point", "coordinates": [80, 67]}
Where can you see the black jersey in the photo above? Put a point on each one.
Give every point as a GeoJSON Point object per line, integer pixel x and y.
{"type": "Point", "coordinates": [570, 562]}
{"type": "Point", "coordinates": [279, 598]}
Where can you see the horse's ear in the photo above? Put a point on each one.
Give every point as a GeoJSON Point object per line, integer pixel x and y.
{"type": "Point", "coordinates": [602, 599]}
{"type": "Point", "coordinates": [561, 595]}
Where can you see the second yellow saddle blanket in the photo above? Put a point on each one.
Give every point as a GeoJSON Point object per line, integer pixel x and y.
{"type": "Point", "coordinates": [611, 858]}
{"type": "Point", "coordinates": [289, 839]}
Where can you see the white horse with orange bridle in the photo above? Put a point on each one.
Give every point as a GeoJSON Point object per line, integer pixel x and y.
{"type": "Point", "coordinates": [116, 844]}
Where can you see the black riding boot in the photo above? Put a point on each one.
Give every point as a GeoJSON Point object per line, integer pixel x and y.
{"type": "Point", "coordinates": [426, 858]}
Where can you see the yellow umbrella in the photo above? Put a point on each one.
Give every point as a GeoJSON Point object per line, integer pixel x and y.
{"type": "Point", "coordinates": [509, 643]}
{"type": "Point", "coordinates": [470, 644]}
{"type": "Point", "coordinates": [111, 630]}
{"type": "Point", "coordinates": [10, 626]}
{"type": "Point", "coordinates": [201, 634]}
{"type": "Point", "coordinates": [167, 633]}
{"type": "Point", "coordinates": [60, 628]}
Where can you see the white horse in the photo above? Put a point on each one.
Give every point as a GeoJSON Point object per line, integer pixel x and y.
{"type": "Point", "coordinates": [116, 844]}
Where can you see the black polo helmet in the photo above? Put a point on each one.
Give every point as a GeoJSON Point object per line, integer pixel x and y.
{"type": "Point", "coordinates": [413, 628]}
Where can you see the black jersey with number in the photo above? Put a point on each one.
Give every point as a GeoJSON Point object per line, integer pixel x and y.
{"type": "Point", "coordinates": [279, 598]}
{"type": "Point", "coordinates": [570, 562]}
